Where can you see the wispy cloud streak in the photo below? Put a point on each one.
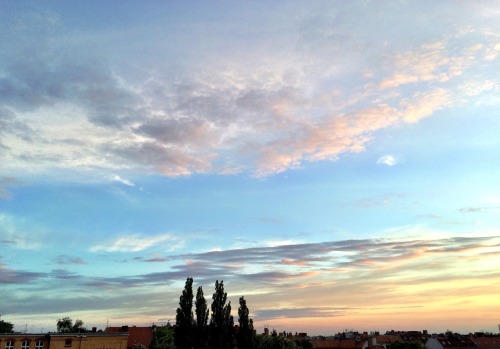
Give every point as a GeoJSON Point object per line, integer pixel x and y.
{"type": "Point", "coordinates": [136, 243]}
{"type": "Point", "coordinates": [420, 273]}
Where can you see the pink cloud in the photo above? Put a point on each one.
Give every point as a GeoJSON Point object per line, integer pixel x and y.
{"type": "Point", "coordinates": [423, 105]}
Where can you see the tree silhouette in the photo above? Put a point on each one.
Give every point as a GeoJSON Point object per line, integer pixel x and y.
{"type": "Point", "coordinates": [78, 327]}
{"type": "Point", "coordinates": [221, 321]}
{"type": "Point", "coordinates": [245, 331]}
{"type": "Point", "coordinates": [201, 309]}
{"type": "Point", "coordinates": [163, 338]}
{"type": "Point", "coordinates": [184, 318]}
{"type": "Point", "coordinates": [65, 325]}
{"type": "Point", "coordinates": [274, 342]}
{"type": "Point", "coordinates": [6, 327]}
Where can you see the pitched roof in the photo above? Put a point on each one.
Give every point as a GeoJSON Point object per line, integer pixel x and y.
{"type": "Point", "coordinates": [387, 339]}
{"type": "Point", "coordinates": [337, 343]}
{"type": "Point", "coordinates": [457, 342]}
{"type": "Point", "coordinates": [487, 342]}
{"type": "Point", "coordinates": [137, 335]}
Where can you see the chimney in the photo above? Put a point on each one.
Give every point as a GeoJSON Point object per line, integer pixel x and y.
{"type": "Point", "coordinates": [124, 328]}
{"type": "Point", "coordinates": [94, 329]}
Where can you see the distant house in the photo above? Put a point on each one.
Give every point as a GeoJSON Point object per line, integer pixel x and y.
{"type": "Point", "coordinates": [87, 340]}
{"type": "Point", "coordinates": [450, 342]}
{"type": "Point", "coordinates": [24, 341]}
{"type": "Point", "coordinates": [381, 341]}
{"type": "Point", "coordinates": [351, 343]}
{"type": "Point", "coordinates": [411, 336]}
{"type": "Point", "coordinates": [136, 335]}
{"type": "Point", "coordinates": [91, 340]}
{"type": "Point", "coordinates": [488, 342]}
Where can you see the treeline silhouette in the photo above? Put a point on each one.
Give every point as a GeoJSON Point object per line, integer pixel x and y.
{"type": "Point", "coordinates": [202, 329]}
{"type": "Point", "coordinates": [214, 328]}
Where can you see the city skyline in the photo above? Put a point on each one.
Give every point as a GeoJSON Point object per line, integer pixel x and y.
{"type": "Point", "coordinates": [336, 163]}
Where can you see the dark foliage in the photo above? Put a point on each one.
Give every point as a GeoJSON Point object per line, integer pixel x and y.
{"type": "Point", "coordinates": [65, 325]}
{"type": "Point", "coordinates": [303, 343]}
{"type": "Point", "coordinates": [6, 327]}
{"type": "Point", "coordinates": [221, 321]}
{"type": "Point", "coordinates": [201, 330]}
{"type": "Point", "coordinates": [163, 338]}
{"type": "Point", "coordinates": [245, 331]}
{"type": "Point", "coordinates": [184, 318]}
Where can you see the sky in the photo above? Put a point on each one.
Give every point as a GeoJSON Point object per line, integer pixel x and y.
{"type": "Point", "coordinates": [337, 163]}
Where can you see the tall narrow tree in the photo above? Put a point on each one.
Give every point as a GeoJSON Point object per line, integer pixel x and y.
{"type": "Point", "coordinates": [201, 330]}
{"type": "Point", "coordinates": [221, 321]}
{"type": "Point", "coordinates": [245, 331]}
{"type": "Point", "coordinates": [184, 318]}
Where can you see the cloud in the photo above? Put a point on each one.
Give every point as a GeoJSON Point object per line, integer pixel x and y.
{"type": "Point", "coordinates": [276, 276]}
{"type": "Point", "coordinates": [424, 104]}
{"type": "Point", "coordinates": [11, 125]}
{"type": "Point", "coordinates": [12, 276]}
{"type": "Point", "coordinates": [156, 157]}
{"type": "Point", "coordinates": [292, 262]}
{"type": "Point", "coordinates": [198, 270]}
{"type": "Point", "coordinates": [329, 271]}
{"type": "Point", "coordinates": [4, 194]}
{"type": "Point", "coordinates": [260, 139]}
{"type": "Point", "coordinates": [62, 274]}
{"type": "Point", "coordinates": [137, 243]}
{"type": "Point", "coordinates": [478, 209]}
{"type": "Point", "coordinates": [420, 273]}
{"type": "Point", "coordinates": [262, 130]}
{"type": "Point", "coordinates": [430, 62]}
{"type": "Point", "coordinates": [388, 160]}
{"type": "Point", "coordinates": [474, 88]}
{"type": "Point", "coordinates": [19, 233]}
{"type": "Point", "coordinates": [273, 243]}
{"type": "Point", "coordinates": [287, 313]}
{"type": "Point", "coordinates": [378, 201]}
{"type": "Point", "coordinates": [64, 259]}
{"type": "Point", "coordinates": [156, 260]}
{"type": "Point", "coordinates": [51, 306]}
{"type": "Point", "coordinates": [123, 181]}
{"type": "Point", "coordinates": [217, 114]}
{"type": "Point", "coordinates": [350, 254]}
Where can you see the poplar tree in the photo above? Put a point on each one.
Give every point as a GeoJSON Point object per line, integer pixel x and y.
{"type": "Point", "coordinates": [245, 331]}
{"type": "Point", "coordinates": [201, 309]}
{"type": "Point", "coordinates": [221, 321]}
{"type": "Point", "coordinates": [184, 318]}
